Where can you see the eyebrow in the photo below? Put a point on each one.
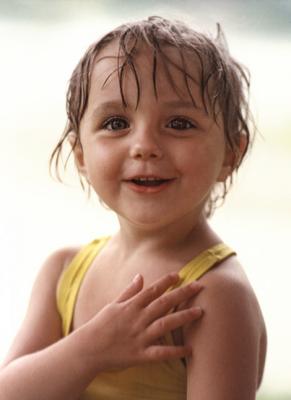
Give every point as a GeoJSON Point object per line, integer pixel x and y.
{"type": "Point", "coordinates": [181, 104]}
{"type": "Point", "coordinates": [108, 106]}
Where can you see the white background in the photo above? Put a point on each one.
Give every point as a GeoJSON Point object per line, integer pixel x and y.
{"type": "Point", "coordinates": [38, 215]}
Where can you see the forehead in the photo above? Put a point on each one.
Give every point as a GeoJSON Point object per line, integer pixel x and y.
{"type": "Point", "coordinates": [170, 73]}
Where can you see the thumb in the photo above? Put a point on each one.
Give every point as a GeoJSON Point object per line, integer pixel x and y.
{"type": "Point", "coordinates": [133, 288]}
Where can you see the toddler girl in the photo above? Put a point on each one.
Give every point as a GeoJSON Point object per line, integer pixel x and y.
{"type": "Point", "coordinates": [158, 123]}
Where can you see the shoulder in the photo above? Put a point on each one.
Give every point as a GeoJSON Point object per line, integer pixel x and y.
{"type": "Point", "coordinates": [43, 294]}
{"type": "Point", "coordinates": [60, 258]}
{"type": "Point", "coordinates": [47, 280]}
{"type": "Point", "coordinates": [230, 339]}
{"type": "Point", "coordinates": [55, 264]}
{"type": "Point", "coordinates": [228, 291]}
{"type": "Point", "coordinates": [228, 299]}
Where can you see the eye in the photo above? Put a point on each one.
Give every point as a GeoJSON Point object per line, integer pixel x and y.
{"type": "Point", "coordinates": [180, 123]}
{"type": "Point", "coordinates": [115, 124]}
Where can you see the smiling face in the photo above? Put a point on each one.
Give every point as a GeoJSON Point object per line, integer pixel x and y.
{"type": "Point", "coordinates": [157, 161]}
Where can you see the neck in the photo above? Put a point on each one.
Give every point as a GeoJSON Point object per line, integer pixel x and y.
{"type": "Point", "coordinates": [170, 239]}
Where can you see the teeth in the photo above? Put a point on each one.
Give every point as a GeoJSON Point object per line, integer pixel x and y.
{"type": "Point", "coordinates": [147, 179]}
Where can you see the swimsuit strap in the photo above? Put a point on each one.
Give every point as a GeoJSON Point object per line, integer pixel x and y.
{"type": "Point", "coordinates": [72, 278]}
{"type": "Point", "coordinates": [202, 263]}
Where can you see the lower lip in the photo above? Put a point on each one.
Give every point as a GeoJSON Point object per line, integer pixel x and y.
{"type": "Point", "coordinates": [148, 189]}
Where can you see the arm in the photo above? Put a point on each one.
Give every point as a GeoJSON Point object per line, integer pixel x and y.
{"type": "Point", "coordinates": [37, 355]}
{"type": "Point", "coordinates": [229, 346]}
{"type": "Point", "coordinates": [41, 365]}
{"type": "Point", "coordinates": [56, 372]}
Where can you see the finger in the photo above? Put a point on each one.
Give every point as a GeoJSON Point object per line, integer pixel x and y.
{"type": "Point", "coordinates": [172, 299]}
{"type": "Point", "coordinates": [162, 353]}
{"type": "Point", "coordinates": [171, 322]}
{"type": "Point", "coordinates": [157, 289]}
{"type": "Point", "coordinates": [132, 289]}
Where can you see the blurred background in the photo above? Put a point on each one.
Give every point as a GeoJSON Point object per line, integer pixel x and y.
{"type": "Point", "coordinates": [41, 42]}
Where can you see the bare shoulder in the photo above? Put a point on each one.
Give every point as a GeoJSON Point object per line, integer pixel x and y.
{"type": "Point", "coordinates": [229, 343]}
{"type": "Point", "coordinates": [65, 256]}
{"type": "Point", "coordinates": [56, 263]}
{"type": "Point", "coordinates": [229, 290]}
{"type": "Point", "coordinates": [51, 271]}
{"type": "Point", "coordinates": [42, 325]}
{"type": "Point", "coordinates": [229, 275]}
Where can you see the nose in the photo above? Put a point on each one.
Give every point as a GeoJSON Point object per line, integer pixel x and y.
{"type": "Point", "coordinates": [145, 146]}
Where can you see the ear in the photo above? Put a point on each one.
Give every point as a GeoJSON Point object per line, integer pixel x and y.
{"type": "Point", "coordinates": [77, 149]}
{"type": "Point", "coordinates": [232, 159]}
{"type": "Point", "coordinates": [243, 146]}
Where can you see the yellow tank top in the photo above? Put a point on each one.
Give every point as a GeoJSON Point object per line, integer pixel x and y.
{"type": "Point", "coordinates": [157, 381]}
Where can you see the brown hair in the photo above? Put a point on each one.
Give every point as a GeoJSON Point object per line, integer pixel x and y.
{"type": "Point", "coordinates": [223, 82]}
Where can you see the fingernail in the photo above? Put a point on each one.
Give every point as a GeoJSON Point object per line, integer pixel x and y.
{"type": "Point", "coordinates": [197, 310]}
{"type": "Point", "coordinates": [136, 278]}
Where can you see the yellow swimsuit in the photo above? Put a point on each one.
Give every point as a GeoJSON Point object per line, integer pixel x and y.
{"type": "Point", "coordinates": [157, 381]}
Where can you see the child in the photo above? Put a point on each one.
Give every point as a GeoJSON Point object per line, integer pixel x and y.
{"type": "Point", "coordinates": [158, 124]}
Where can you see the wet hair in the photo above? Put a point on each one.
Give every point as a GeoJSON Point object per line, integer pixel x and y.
{"type": "Point", "coordinates": [223, 82]}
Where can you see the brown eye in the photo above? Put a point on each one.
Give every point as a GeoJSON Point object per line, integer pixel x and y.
{"type": "Point", "coordinates": [180, 124]}
{"type": "Point", "coordinates": [115, 124]}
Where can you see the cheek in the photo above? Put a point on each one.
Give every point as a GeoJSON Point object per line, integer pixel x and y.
{"type": "Point", "coordinates": [102, 163]}
{"type": "Point", "coordinates": [203, 167]}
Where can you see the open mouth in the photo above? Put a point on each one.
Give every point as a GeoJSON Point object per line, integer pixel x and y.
{"type": "Point", "coordinates": [149, 182]}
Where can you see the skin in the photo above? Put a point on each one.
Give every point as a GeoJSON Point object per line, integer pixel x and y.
{"type": "Point", "coordinates": [43, 365]}
{"type": "Point", "coordinates": [166, 229]}
{"type": "Point", "coordinates": [149, 146]}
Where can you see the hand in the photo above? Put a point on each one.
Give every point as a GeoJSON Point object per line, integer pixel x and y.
{"type": "Point", "coordinates": [126, 331]}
